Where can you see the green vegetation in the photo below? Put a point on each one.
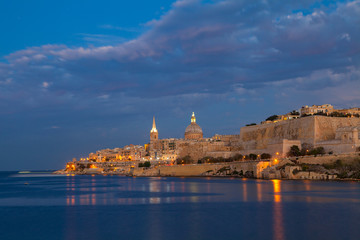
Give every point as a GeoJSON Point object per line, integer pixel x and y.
{"type": "Point", "coordinates": [337, 114]}
{"type": "Point", "coordinates": [294, 151]}
{"type": "Point", "coordinates": [345, 170]}
{"type": "Point", "coordinates": [272, 118]}
{"type": "Point", "coordinates": [265, 156]}
{"type": "Point", "coordinates": [333, 114]}
{"type": "Point", "coordinates": [305, 167]}
{"type": "Point", "coordinates": [216, 160]}
{"type": "Point", "coordinates": [320, 114]}
{"type": "Point", "coordinates": [184, 160]}
{"type": "Point", "coordinates": [317, 151]}
{"type": "Point", "coordinates": [208, 159]}
{"type": "Point", "coordinates": [145, 164]}
{"type": "Point", "coordinates": [237, 157]}
{"type": "Point", "coordinates": [252, 156]}
{"type": "Point", "coordinates": [294, 112]}
{"type": "Point", "coordinates": [251, 124]}
{"type": "Point", "coordinates": [306, 150]}
{"type": "Point", "coordinates": [335, 165]}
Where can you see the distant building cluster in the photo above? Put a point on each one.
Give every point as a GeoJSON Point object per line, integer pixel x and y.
{"type": "Point", "coordinates": [324, 110]}
{"type": "Point", "coordinates": [127, 153]}
{"type": "Point", "coordinates": [311, 127]}
{"type": "Point", "coordinates": [328, 109]}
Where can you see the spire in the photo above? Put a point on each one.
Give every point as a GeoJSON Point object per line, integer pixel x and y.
{"type": "Point", "coordinates": [193, 118]}
{"type": "Point", "coordinates": [153, 126]}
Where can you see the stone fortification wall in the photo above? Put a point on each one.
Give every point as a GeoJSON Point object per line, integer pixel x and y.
{"type": "Point", "coordinates": [325, 127]}
{"type": "Point", "coordinates": [260, 136]}
{"type": "Point", "coordinates": [224, 154]}
{"type": "Point", "coordinates": [309, 130]}
{"type": "Point", "coordinates": [200, 169]}
{"type": "Point", "coordinates": [337, 146]}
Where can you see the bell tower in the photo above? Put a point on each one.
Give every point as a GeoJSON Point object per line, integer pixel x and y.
{"type": "Point", "coordinates": [154, 135]}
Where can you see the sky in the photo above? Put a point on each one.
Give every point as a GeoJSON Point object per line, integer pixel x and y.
{"type": "Point", "coordinates": [79, 76]}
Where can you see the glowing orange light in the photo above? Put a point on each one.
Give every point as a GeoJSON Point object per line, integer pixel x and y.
{"type": "Point", "coordinates": [277, 190]}
{"type": "Point", "coordinates": [93, 166]}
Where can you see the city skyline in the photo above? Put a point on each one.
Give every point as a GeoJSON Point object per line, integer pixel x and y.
{"type": "Point", "coordinates": [76, 77]}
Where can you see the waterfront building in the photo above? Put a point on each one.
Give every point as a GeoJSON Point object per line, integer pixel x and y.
{"type": "Point", "coordinates": [334, 134]}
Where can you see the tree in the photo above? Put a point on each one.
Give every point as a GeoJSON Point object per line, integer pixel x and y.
{"type": "Point", "coordinates": [145, 164]}
{"type": "Point", "coordinates": [316, 151]}
{"type": "Point", "coordinates": [237, 157]}
{"type": "Point", "coordinates": [320, 114]}
{"type": "Point", "coordinates": [272, 118]}
{"type": "Point", "coordinates": [252, 156]}
{"type": "Point", "coordinates": [251, 124]}
{"type": "Point", "coordinates": [206, 159]}
{"type": "Point", "coordinates": [337, 114]}
{"type": "Point", "coordinates": [294, 112]}
{"type": "Point", "coordinates": [305, 149]}
{"type": "Point", "coordinates": [294, 151]}
{"type": "Point", "coordinates": [184, 160]}
{"type": "Point", "coordinates": [265, 156]}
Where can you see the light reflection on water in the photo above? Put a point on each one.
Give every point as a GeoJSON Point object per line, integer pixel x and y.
{"type": "Point", "coordinates": [114, 190]}
{"type": "Point", "coordinates": [277, 212]}
{"type": "Point", "coordinates": [183, 208]}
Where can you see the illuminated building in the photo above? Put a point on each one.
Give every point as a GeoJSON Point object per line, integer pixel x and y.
{"type": "Point", "coordinates": [193, 131]}
{"type": "Point", "coordinates": [154, 135]}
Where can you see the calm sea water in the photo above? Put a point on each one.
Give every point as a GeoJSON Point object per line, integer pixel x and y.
{"type": "Point", "coordinates": [45, 206]}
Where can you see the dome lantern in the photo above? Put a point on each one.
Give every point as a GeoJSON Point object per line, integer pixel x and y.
{"type": "Point", "coordinates": [193, 131]}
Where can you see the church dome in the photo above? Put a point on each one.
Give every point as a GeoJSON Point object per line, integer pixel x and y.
{"type": "Point", "coordinates": [193, 128]}
{"type": "Point", "coordinates": [193, 131]}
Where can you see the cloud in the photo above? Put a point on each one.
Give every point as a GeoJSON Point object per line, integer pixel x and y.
{"type": "Point", "coordinates": [197, 48]}
{"type": "Point", "coordinates": [125, 29]}
{"type": "Point", "coordinates": [101, 39]}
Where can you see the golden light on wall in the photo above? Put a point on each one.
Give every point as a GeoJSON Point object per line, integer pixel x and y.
{"type": "Point", "coordinates": [70, 166]}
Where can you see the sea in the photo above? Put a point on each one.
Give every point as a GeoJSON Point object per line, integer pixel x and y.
{"type": "Point", "coordinates": [41, 205]}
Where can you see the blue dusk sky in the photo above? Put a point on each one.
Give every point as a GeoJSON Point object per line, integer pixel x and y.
{"type": "Point", "coordinates": [79, 76]}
